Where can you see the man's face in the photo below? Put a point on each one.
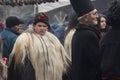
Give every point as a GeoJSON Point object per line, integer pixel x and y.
{"type": "Point", "coordinates": [17, 27]}
{"type": "Point", "coordinates": [92, 17]}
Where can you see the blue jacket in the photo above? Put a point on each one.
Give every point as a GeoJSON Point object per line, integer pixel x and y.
{"type": "Point", "coordinates": [9, 37]}
{"type": "Point", "coordinates": [60, 32]}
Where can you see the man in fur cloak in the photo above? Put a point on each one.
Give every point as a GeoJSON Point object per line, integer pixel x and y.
{"type": "Point", "coordinates": [70, 32]}
{"type": "Point", "coordinates": [38, 54]}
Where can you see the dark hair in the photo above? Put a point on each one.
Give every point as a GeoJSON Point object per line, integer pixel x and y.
{"type": "Point", "coordinates": [12, 21]}
{"type": "Point", "coordinates": [99, 21]}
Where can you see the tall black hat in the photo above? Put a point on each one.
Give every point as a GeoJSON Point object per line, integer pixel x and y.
{"type": "Point", "coordinates": [82, 7]}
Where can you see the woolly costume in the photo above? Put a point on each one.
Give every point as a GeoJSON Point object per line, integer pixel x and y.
{"type": "Point", "coordinates": [3, 67]}
{"type": "Point", "coordinates": [3, 70]}
{"type": "Point", "coordinates": [46, 57]}
{"type": "Point", "coordinates": [67, 43]}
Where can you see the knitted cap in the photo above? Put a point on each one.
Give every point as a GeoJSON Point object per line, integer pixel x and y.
{"type": "Point", "coordinates": [13, 21]}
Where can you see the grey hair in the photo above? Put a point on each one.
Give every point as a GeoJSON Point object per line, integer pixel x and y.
{"type": "Point", "coordinates": [81, 17]}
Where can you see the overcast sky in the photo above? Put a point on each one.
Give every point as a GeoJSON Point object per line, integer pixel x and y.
{"type": "Point", "coordinates": [50, 6]}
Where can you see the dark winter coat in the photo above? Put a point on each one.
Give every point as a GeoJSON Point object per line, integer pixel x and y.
{"type": "Point", "coordinates": [85, 53]}
{"type": "Point", "coordinates": [110, 51]}
{"type": "Point", "coordinates": [21, 72]}
{"type": "Point", "coordinates": [9, 37]}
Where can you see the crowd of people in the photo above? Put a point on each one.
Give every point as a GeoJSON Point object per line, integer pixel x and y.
{"type": "Point", "coordinates": [86, 47]}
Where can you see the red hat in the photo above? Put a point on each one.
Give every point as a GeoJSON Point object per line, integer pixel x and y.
{"type": "Point", "coordinates": [2, 26]}
{"type": "Point", "coordinates": [41, 17]}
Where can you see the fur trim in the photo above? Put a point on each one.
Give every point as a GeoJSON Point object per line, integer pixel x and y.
{"type": "Point", "coordinates": [67, 43]}
{"type": "Point", "coordinates": [3, 70]}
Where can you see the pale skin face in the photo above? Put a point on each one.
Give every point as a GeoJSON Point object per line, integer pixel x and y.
{"type": "Point", "coordinates": [40, 28]}
{"type": "Point", "coordinates": [17, 27]}
{"type": "Point", "coordinates": [102, 23]}
{"type": "Point", "coordinates": [92, 17]}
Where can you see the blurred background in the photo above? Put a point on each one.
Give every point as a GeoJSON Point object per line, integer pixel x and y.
{"type": "Point", "coordinates": [58, 11]}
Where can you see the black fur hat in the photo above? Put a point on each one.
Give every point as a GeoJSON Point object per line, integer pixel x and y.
{"type": "Point", "coordinates": [12, 21]}
{"type": "Point", "coordinates": [82, 7]}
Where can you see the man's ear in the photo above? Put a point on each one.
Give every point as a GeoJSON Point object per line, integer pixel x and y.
{"type": "Point", "coordinates": [14, 27]}
{"type": "Point", "coordinates": [86, 17]}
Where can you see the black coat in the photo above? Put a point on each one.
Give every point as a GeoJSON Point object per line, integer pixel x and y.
{"type": "Point", "coordinates": [21, 71]}
{"type": "Point", "coordinates": [110, 51]}
{"type": "Point", "coordinates": [85, 54]}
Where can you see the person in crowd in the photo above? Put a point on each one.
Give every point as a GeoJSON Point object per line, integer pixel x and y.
{"type": "Point", "coordinates": [3, 69]}
{"type": "Point", "coordinates": [85, 42]}
{"type": "Point", "coordinates": [38, 54]}
{"type": "Point", "coordinates": [60, 31]}
{"type": "Point", "coordinates": [68, 38]}
{"type": "Point", "coordinates": [72, 23]}
{"type": "Point", "coordinates": [55, 25]}
{"type": "Point", "coordinates": [3, 66]}
{"type": "Point", "coordinates": [102, 25]}
{"type": "Point", "coordinates": [2, 26]}
{"type": "Point", "coordinates": [10, 34]}
{"type": "Point", "coordinates": [110, 44]}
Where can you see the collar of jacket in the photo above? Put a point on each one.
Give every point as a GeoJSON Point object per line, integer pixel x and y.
{"type": "Point", "coordinates": [9, 29]}
{"type": "Point", "coordinates": [86, 27]}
